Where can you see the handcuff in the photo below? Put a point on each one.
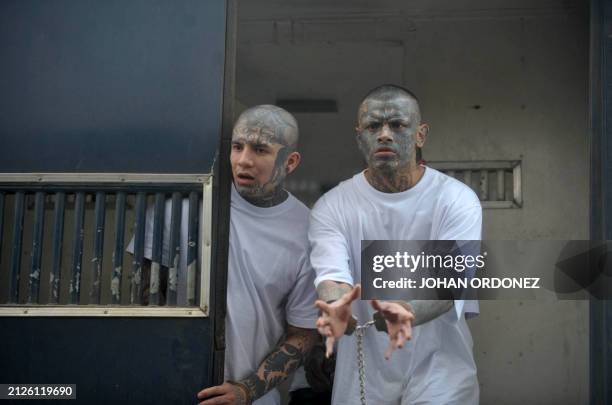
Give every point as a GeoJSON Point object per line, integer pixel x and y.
{"type": "Point", "coordinates": [379, 323]}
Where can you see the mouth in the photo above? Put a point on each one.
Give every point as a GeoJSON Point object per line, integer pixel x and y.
{"type": "Point", "coordinates": [384, 152]}
{"type": "Point", "coordinates": [245, 179]}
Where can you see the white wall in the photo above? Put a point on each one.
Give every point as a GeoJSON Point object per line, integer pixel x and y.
{"type": "Point", "coordinates": [525, 65]}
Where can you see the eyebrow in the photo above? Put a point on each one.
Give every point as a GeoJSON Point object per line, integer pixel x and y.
{"type": "Point", "coordinates": [393, 117]}
{"type": "Point", "coordinates": [252, 144]}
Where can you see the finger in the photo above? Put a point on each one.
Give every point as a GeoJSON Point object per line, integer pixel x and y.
{"type": "Point", "coordinates": [329, 346]}
{"type": "Point", "coordinates": [390, 350]}
{"type": "Point", "coordinates": [325, 330]}
{"type": "Point", "coordinates": [210, 392]}
{"type": "Point", "coordinates": [375, 304]}
{"type": "Point", "coordinates": [322, 321]}
{"type": "Point", "coordinates": [408, 332]}
{"type": "Point", "coordinates": [216, 401]}
{"type": "Point", "coordinates": [322, 305]}
{"type": "Point", "coordinates": [401, 338]}
{"type": "Point", "coordinates": [350, 296]}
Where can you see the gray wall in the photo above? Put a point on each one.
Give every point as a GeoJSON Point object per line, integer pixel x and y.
{"type": "Point", "coordinates": [497, 80]}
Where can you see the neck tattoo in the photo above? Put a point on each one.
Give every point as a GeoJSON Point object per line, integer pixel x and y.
{"type": "Point", "coordinates": [268, 201]}
{"type": "Point", "coordinates": [391, 181]}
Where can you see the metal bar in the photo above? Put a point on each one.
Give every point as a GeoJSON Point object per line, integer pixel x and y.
{"type": "Point", "coordinates": [93, 188]}
{"type": "Point", "coordinates": [139, 235]}
{"type": "Point", "coordinates": [174, 248]}
{"type": "Point", "coordinates": [501, 185]}
{"type": "Point", "coordinates": [474, 165]}
{"type": "Point", "coordinates": [77, 252]}
{"type": "Point", "coordinates": [154, 178]}
{"type": "Point", "coordinates": [498, 204]}
{"type": "Point", "coordinates": [467, 178]}
{"type": "Point", "coordinates": [99, 311]}
{"type": "Point", "coordinates": [484, 185]}
{"type": "Point", "coordinates": [157, 248]}
{"type": "Point", "coordinates": [17, 241]}
{"type": "Point", "coordinates": [222, 199]}
{"type": "Point", "coordinates": [192, 245]}
{"type": "Point", "coordinates": [450, 173]}
{"type": "Point", "coordinates": [516, 187]}
{"type": "Point", "coordinates": [1, 222]}
{"type": "Point", "coordinates": [58, 235]}
{"type": "Point", "coordinates": [37, 240]}
{"type": "Point", "coordinates": [118, 251]}
{"type": "Point", "coordinates": [98, 247]}
{"type": "Point", "coordinates": [600, 314]}
{"type": "Point", "coordinates": [206, 247]}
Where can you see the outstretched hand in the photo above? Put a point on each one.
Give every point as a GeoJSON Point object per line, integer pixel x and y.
{"type": "Point", "coordinates": [335, 318]}
{"type": "Point", "coordinates": [399, 323]}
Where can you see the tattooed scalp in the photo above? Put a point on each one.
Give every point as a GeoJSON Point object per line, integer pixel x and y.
{"type": "Point", "coordinates": [388, 130]}
{"type": "Point", "coordinates": [276, 129]}
{"type": "Point", "coordinates": [267, 124]}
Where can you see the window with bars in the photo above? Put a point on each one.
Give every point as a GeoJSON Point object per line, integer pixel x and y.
{"type": "Point", "coordinates": [105, 244]}
{"type": "Point", "coordinates": [496, 182]}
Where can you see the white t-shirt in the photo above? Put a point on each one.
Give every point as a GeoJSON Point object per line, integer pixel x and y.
{"type": "Point", "coordinates": [181, 294]}
{"type": "Point", "coordinates": [269, 283]}
{"type": "Point", "coordinates": [437, 365]}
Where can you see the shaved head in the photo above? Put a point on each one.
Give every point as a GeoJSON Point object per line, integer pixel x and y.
{"type": "Point", "coordinates": [389, 133]}
{"type": "Point", "coordinates": [264, 152]}
{"type": "Point", "coordinates": [269, 122]}
{"type": "Point", "coordinates": [389, 92]}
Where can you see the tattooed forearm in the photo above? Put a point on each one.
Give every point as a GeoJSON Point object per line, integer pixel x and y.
{"type": "Point", "coordinates": [332, 290]}
{"type": "Point", "coordinates": [423, 311]}
{"type": "Point", "coordinates": [427, 310]}
{"type": "Point", "coordinates": [281, 362]}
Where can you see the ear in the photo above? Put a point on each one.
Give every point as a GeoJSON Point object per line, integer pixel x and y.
{"type": "Point", "coordinates": [421, 135]}
{"type": "Point", "coordinates": [293, 161]}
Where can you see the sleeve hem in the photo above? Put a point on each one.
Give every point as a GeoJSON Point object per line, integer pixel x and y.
{"type": "Point", "coordinates": [337, 278]}
{"type": "Point", "coordinates": [299, 322]}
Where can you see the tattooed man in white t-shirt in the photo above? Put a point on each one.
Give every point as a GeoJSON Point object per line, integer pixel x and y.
{"type": "Point", "coordinates": [270, 293]}
{"type": "Point", "coordinates": [394, 198]}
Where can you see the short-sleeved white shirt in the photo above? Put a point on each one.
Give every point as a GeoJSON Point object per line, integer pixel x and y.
{"type": "Point", "coordinates": [437, 364]}
{"type": "Point", "coordinates": [270, 283]}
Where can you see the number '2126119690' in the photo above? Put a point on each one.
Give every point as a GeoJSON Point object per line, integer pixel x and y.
{"type": "Point", "coordinates": [37, 391]}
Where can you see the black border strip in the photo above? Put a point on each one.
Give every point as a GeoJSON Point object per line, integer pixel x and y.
{"type": "Point", "coordinates": [221, 199]}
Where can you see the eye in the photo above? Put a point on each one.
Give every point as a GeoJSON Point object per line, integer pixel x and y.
{"type": "Point", "coordinates": [237, 147]}
{"type": "Point", "coordinates": [261, 151]}
{"type": "Point", "coordinates": [397, 125]}
{"type": "Point", "coordinates": [374, 126]}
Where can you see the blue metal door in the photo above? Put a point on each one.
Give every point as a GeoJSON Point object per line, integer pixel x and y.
{"type": "Point", "coordinates": [112, 88]}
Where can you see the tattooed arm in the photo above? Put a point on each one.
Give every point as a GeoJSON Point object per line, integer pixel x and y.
{"type": "Point", "coordinates": [274, 369]}
{"type": "Point", "coordinates": [332, 290]}
{"type": "Point", "coordinates": [281, 362]}
{"type": "Point", "coordinates": [427, 310]}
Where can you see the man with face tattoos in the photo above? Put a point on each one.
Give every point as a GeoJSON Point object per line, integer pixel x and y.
{"type": "Point", "coordinates": [395, 198]}
{"type": "Point", "coordinates": [270, 293]}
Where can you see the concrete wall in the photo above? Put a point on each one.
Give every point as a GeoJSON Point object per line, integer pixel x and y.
{"type": "Point", "coordinates": [497, 80]}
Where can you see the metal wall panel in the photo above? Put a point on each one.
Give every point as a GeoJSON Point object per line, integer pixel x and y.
{"type": "Point", "coordinates": [111, 86]}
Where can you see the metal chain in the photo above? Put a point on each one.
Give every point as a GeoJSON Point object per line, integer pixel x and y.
{"type": "Point", "coordinates": [359, 333]}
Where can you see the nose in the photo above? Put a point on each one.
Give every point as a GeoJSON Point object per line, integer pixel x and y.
{"type": "Point", "coordinates": [245, 158]}
{"type": "Point", "coordinates": [385, 136]}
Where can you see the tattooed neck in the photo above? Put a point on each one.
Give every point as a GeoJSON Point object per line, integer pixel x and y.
{"type": "Point", "coordinates": [268, 201]}
{"type": "Point", "coordinates": [394, 181]}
